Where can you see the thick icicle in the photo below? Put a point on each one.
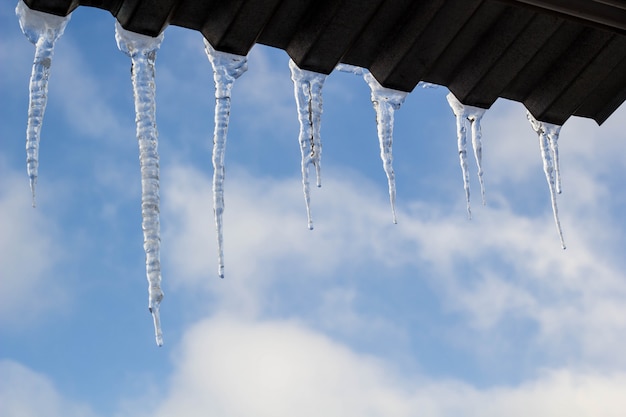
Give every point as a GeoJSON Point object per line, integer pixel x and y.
{"type": "Point", "coordinates": [386, 101]}
{"type": "Point", "coordinates": [473, 115]}
{"type": "Point", "coordinates": [142, 51]}
{"type": "Point", "coordinates": [552, 132]}
{"type": "Point", "coordinates": [308, 92]}
{"type": "Point", "coordinates": [43, 30]}
{"type": "Point", "coordinates": [226, 69]}
{"type": "Point", "coordinates": [548, 135]}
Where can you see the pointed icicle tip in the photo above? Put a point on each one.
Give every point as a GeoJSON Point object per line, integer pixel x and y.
{"type": "Point", "coordinates": [307, 87]}
{"type": "Point", "coordinates": [43, 30]}
{"type": "Point", "coordinates": [386, 101]}
{"type": "Point", "coordinates": [226, 69]}
{"type": "Point", "coordinates": [142, 51]}
{"type": "Point", "coordinates": [548, 135]}
{"type": "Point", "coordinates": [461, 132]}
{"type": "Point", "coordinates": [473, 115]}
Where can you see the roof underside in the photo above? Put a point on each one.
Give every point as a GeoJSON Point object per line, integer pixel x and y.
{"type": "Point", "coordinates": [558, 57]}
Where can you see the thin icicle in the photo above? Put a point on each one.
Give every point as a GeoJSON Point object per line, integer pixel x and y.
{"type": "Point", "coordinates": [226, 69]}
{"type": "Point", "coordinates": [548, 134]}
{"type": "Point", "coordinates": [308, 92]}
{"type": "Point", "coordinates": [43, 30]}
{"type": "Point", "coordinates": [386, 101]}
{"type": "Point", "coordinates": [461, 133]}
{"type": "Point", "coordinates": [142, 51]}
{"type": "Point", "coordinates": [473, 115]}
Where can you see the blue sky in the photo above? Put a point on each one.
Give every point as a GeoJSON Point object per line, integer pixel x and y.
{"type": "Point", "coordinates": [434, 316]}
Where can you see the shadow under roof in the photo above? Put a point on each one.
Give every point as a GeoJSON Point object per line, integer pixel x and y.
{"type": "Point", "coordinates": [557, 57]}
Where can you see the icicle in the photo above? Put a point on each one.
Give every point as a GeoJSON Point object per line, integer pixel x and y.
{"type": "Point", "coordinates": [552, 132]}
{"type": "Point", "coordinates": [43, 30]}
{"type": "Point", "coordinates": [548, 134]}
{"type": "Point", "coordinates": [386, 101]}
{"type": "Point", "coordinates": [473, 115]}
{"type": "Point", "coordinates": [308, 92]}
{"type": "Point", "coordinates": [142, 51]}
{"type": "Point", "coordinates": [461, 132]}
{"type": "Point", "coordinates": [226, 69]}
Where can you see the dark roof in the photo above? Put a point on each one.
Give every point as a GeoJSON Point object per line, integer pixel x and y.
{"type": "Point", "coordinates": [558, 57]}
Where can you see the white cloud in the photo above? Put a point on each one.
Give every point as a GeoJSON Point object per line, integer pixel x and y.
{"type": "Point", "coordinates": [503, 266]}
{"type": "Point", "coordinates": [228, 367]}
{"type": "Point", "coordinates": [26, 393]}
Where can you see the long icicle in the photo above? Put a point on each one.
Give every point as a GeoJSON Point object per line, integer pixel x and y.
{"type": "Point", "coordinates": [549, 155]}
{"type": "Point", "coordinates": [461, 131]}
{"type": "Point", "coordinates": [473, 115]}
{"type": "Point", "coordinates": [386, 101]}
{"type": "Point", "coordinates": [43, 30]}
{"type": "Point", "coordinates": [226, 69]}
{"type": "Point", "coordinates": [142, 51]}
{"type": "Point", "coordinates": [308, 92]}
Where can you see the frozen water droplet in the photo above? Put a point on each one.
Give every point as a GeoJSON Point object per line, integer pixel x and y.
{"type": "Point", "coordinates": [473, 115]}
{"type": "Point", "coordinates": [142, 51]}
{"type": "Point", "coordinates": [226, 69]}
{"type": "Point", "coordinates": [43, 30]}
{"type": "Point", "coordinates": [548, 134]}
{"type": "Point", "coordinates": [308, 93]}
{"type": "Point", "coordinates": [386, 101]}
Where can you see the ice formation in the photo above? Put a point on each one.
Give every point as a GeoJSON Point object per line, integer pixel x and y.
{"type": "Point", "coordinates": [468, 114]}
{"type": "Point", "coordinates": [386, 101]}
{"type": "Point", "coordinates": [226, 69]}
{"type": "Point", "coordinates": [43, 30]}
{"type": "Point", "coordinates": [308, 92]}
{"type": "Point", "coordinates": [548, 136]}
{"type": "Point", "coordinates": [142, 51]}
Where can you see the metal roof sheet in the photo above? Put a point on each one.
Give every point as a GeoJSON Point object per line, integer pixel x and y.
{"type": "Point", "coordinates": [558, 57]}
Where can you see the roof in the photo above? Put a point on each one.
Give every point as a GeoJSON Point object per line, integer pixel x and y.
{"type": "Point", "coordinates": [557, 57]}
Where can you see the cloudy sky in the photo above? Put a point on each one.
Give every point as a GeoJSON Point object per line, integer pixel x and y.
{"type": "Point", "coordinates": [435, 316]}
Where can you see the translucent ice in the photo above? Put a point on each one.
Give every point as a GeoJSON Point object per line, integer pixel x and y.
{"type": "Point", "coordinates": [43, 30]}
{"type": "Point", "coordinates": [548, 136]}
{"type": "Point", "coordinates": [308, 92]}
{"type": "Point", "coordinates": [468, 114]}
{"type": "Point", "coordinates": [226, 69]}
{"type": "Point", "coordinates": [142, 51]}
{"type": "Point", "coordinates": [386, 101]}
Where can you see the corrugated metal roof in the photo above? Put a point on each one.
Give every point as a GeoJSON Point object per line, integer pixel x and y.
{"type": "Point", "coordinates": [558, 57]}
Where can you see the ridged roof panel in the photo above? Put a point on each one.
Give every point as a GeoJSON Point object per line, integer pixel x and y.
{"type": "Point", "coordinates": [560, 58]}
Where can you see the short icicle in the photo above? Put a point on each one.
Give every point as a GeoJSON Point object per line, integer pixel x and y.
{"type": "Point", "coordinates": [142, 51]}
{"type": "Point", "coordinates": [308, 93]}
{"type": "Point", "coordinates": [473, 115]}
{"type": "Point", "coordinates": [548, 135]}
{"type": "Point", "coordinates": [226, 69]}
{"type": "Point", "coordinates": [43, 30]}
{"type": "Point", "coordinates": [386, 101]}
